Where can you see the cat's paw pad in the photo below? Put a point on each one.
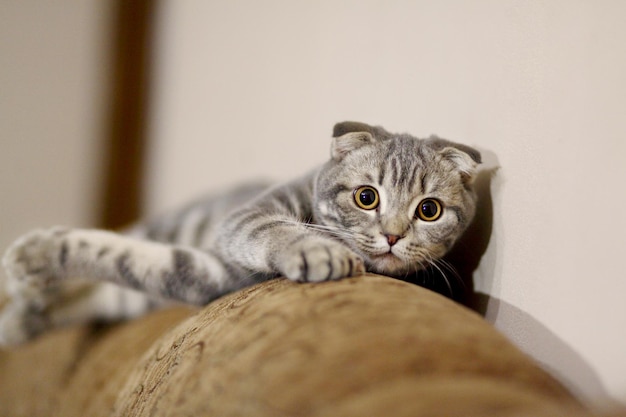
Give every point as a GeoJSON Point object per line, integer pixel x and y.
{"type": "Point", "coordinates": [318, 260]}
{"type": "Point", "coordinates": [19, 324]}
{"type": "Point", "coordinates": [34, 261]}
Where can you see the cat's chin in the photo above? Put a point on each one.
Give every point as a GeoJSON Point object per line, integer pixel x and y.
{"type": "Point", "coordinates": [387, 263]}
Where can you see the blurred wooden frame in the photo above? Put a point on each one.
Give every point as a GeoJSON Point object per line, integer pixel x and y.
{"type": "Point", "coordinates": [132, 30]}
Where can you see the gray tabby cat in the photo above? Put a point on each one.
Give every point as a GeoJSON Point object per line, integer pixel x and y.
{"type": "Point", "coordinates": [385, 203]}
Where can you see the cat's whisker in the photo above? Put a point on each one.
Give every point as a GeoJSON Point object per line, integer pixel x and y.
{"type": "Point", "coordinates": [448, 266]}
{"type": "Point", "coordinates": [434, 264]}
{"type": "Point", "coordinates": [417, 268]}
{"type": "Point", "coordinates": [333, 230]}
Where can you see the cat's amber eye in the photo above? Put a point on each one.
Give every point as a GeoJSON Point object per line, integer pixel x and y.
{"type": "Point", "coordinates": [429, 210]}
{"type": "Point", "coordinates": [366, 197]}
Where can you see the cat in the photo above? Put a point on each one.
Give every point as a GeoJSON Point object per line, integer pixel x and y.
{"type": "Point", "coordinates": [385, 203]}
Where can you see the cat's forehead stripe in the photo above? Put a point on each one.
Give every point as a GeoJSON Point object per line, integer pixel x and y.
{"type": "Point", "coordinates": [413, 177]}
{"type": "Point", "coordinates": [423, 182]}
{"type": "Point", "coordinates": [402, 164]}
{"type": "Point", "coordinates": [381, 174]}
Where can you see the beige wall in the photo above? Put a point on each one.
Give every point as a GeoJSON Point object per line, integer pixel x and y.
{"type": "Point", "coordinates": [248, 89]}
{"type": "Point", "coordinates": [53, 61]}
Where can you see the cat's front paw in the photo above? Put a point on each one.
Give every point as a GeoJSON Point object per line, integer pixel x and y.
{"type": "Point", "coordinates": [315, 260]}
{"type": "Point", "coordinates": [33, 262]}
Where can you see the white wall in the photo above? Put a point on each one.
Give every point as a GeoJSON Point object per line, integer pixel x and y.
{"type": "Point", "coordinates": [53, 61]}
{"type": "Point", "coordinates": [247, 89]}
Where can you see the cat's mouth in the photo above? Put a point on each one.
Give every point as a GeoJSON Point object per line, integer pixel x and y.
{"type": "Point", "coordinates": [387, 262]}
{"type": "Point", "coordinates": [386, 255]}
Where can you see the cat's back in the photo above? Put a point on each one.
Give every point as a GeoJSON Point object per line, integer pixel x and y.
{"type": "Point", "coordinates": [192, 223]}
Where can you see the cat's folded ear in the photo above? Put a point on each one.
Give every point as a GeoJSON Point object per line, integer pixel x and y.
{"type": "Point", "coordinates": [342, 128]}
{"type": "Point", "coordinates": [348, 136]}
{"type": "Point", "coordinates": [377, 132]}
{"type": "Point", "coordinates": [464, 157]}
{"type": "Point", "coordinates": [345, 144]}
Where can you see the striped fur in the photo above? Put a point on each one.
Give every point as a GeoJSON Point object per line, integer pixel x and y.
{"type": "Point", "coordinates": [311, 229]}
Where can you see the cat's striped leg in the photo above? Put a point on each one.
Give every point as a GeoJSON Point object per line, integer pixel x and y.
{"type": "Point", "coordinates": [281, 245]}
{"type": "Point", "coordinates": [162, 270]}
{"type": "Point", "coordinates": [41, 263]}
{"type": "Point", "coordinates": [273, 234]}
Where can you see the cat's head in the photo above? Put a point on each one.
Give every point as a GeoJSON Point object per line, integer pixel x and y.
{"type": "Point", "coordinates": [398, 201]}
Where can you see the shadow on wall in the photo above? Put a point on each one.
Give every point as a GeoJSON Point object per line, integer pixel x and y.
{"type": "Point", "coordinates": [548, 349]}
{"type": "Point", "coordinates": [469, 250]}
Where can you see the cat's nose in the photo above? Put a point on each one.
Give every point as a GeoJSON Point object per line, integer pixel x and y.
{"type": "Point", "coordinates": [392, 239]}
